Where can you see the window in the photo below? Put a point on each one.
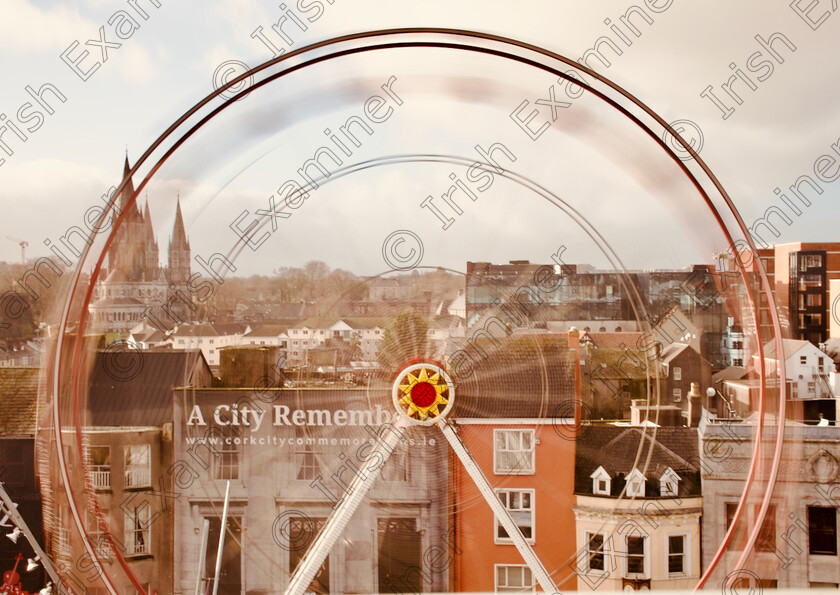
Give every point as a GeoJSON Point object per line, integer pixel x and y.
{"type": "Point", "coordinates": [138, 470]}
{"type": "Point", "coordinates": [676, 554]}
{"type": "Point", "coordinates": [636, 484]}
{"type": "Point", "coordinates": [307, 462]}
{"type": "Point", "coordinates": [803, 360]}
{"type": "Point", "coordinates": [96, 530]}
{"type": "Point", "coordinates": [600, 482]}
{"type": "Point", "coordinates": [100, 466]}
{"type": "Point", "coordinates": [737, 344]}
{"type": "Point", "coordinates": [226, 462]}
{"type": "Point", "coordinates": [811, 261]}
{"type": "Point", "coordinates": [300, 532]}
{"type": "Point", "coordinates": [822, 531]}
{"type": "Point", "coordinates": [635, 555]}
{"type": "Point", "coordinates": [397, 467]}
{"type": "Point", "coordinates": [514, 452]}
{"type": "Point", "coordinates": [812, 319]}
{"type": "Point", "coordinates": [520, 505]}
{"type": "Point", "coordinates": [595, 551]}
{"type": "Point", "coordinates": [740, 535]}
{"type": "Point", "coordinates": [806, 281]}
{"type": "Point", "coordinates": [137, 529]}
{"type": "Point", "coordinates": [677, 373]}
{"type": "Point", "coordinates": [669, 483]}
{"type": "Point", "coordinates": [738, 362]}
{"type": "Point", "coordinates": [766, 541]}
{"type": "Point", "coordinates": [677, 395]}
{"type": "Point", "coordinates": [514, 579]}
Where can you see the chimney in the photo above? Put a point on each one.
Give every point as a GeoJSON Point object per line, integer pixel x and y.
{"type": "Point", "coordinates": [695, 405]}
{"type": "Point", "coordinates": [574, 347]}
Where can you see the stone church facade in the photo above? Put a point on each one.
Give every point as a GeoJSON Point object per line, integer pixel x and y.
{"type": "Point", "coordinates": [134, 279]}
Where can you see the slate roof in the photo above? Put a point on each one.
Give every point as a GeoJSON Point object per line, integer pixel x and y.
{"type": "Point", "coordinates": [196, 330]}
{"type": "Point", "coordinates": [615, 340]}
{"type": "Point", "coordinates": [672, 351]}
{"type": "Point", "coordinates": [623, 363]}
{"type": "Point", "coordinates": [359, 323]}
{"type": "Point", "coordinates": [527, 377]}
{"type": "Point", "coordinates": [19, 399]}
{"type": "Point", "coordinates": [116, 399]}
{"type": "Point", "coordinates": [267, 330]}
{"type": "Point", "coordinates": [617, 449]}
{"type": "Point", "coordinates": [730, 373]}
{"type": "Point", "coordinates": [790, 347]}
{"type": "Point", "coordinates": [234, 328]}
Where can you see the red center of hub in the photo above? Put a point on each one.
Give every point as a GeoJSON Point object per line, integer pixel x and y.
{"type": "Point", "coordinates": [423, 394]}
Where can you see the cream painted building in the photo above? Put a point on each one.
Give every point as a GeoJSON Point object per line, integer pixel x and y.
{"type": "Point", "coordinates": [638, 509]}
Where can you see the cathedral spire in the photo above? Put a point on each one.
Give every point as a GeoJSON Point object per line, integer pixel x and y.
{"type": "Point", "coordinates": [128, 191]}
{"type": "Point", "coordinates": [179, 234]}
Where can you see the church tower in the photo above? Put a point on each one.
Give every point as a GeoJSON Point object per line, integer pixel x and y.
{"type": "Point", "coordinates": [133, 253]}
{"type": "Point", "coordinates": [179, 251]}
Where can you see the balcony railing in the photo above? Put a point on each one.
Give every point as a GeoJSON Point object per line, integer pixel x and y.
{"type": "Point", "coordinates": [140, 548]}
{"type": "Point", "coordinates": [63, 542]}
{"type": "Point", "coordinates": [137, 477]}
{"type": "Point", "coordinates": [100, 476]}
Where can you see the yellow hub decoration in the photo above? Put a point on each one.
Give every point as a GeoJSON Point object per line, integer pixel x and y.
{"type": "Point", "coordinates": [423, 393]}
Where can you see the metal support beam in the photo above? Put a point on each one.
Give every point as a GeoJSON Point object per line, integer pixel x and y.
{"type": "Point", "coordinates": [205, 533]}
{"type": "Point", "coordinates": [222, 532]}
{"type": "Point", "coordinates": [14, 516]}
{"type": "Point", "coordinates": [346, 507]}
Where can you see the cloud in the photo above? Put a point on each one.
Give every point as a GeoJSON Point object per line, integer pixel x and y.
{"type": "Point", "coordinates": [26, 27]}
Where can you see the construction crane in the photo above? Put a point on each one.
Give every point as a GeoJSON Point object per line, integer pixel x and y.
{"type": "Point", "coordinates": [23, 244]}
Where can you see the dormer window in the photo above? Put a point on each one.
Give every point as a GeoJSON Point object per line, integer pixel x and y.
{"type": "Point", "coordinates": [636, 484]}
{"type": "Point", "coordinates": [669, 483]}
{"type": "Point", "coordinates": [601, 482]}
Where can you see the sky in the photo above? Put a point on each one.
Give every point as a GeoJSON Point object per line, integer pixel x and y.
{"type": "Point", "coordinates": [780, 122]}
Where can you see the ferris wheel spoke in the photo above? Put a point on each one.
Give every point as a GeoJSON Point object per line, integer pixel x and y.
{"type": "Point", "coordinates": [343, 512]}
{"type": "Point", "coordinates": [526, 551]}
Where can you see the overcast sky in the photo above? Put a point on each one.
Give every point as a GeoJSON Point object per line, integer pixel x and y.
{"type": "Point", "coordinates": [605, 168]}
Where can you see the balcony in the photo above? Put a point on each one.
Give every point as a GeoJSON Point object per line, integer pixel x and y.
{"type": "Point", "coordinates": [100, 476]}
{"type": "Point", "coordinates": [138, 548]}
{"type": "Point", "coordinates": [137, 477]}
{"type": "Point", "coordinates": [62, 543]}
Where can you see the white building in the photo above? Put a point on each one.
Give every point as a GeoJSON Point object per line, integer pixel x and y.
{"type": "Point", "coordinates": [732, 345]}
{"type": "Point", "coordinates": [314, 332]}
{"type": "Point", "coordinates": [267, 334]}
{"type": "Point", "coordinates": [208, 339]}
{"type": "Point", "coordinates": [797, 544]}
{"type": "Point", "coordinates": [807, 369]}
